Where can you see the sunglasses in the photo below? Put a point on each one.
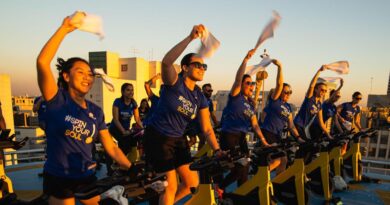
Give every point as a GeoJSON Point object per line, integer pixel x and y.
{"type": "Point", "coordinates": [288, 92]}
{"type": "Point", "coordinates": [209, 91]}
{"type": "Point", "coordinates": [358, 98]}
{"type": "Point", "coordinates": [249, 83]}
{"type": "Point", "coordinates": [199, 65]}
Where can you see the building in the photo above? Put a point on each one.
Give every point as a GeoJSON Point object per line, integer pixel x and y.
{"type": "Point", "coordinates": [6, 101]}
{"type": "Point", "coordinates": [380, 100]}
{"type": "Point", "coordinates": [23, 104]}
{"type": "Point", "coordinates": [121, 70]}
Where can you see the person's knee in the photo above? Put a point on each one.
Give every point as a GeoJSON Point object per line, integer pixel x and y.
{"type": "Point", "coordinates": [190, 180]}
{"type": "Point", "coordinates": [171, 189]}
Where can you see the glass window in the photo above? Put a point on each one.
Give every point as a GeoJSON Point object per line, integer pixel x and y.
{"type": "Point", "coordinates": [124, 67]}
{"type": "Point", "coordinates": [374, 139]}
{"type": "Point", "coordinates": [384, 139]}
{"type": "Point", "coordinates": [382, 153]}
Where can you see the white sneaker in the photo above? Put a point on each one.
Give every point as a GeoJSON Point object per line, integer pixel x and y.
{"type": "Point", "coordinates": [339, 183]}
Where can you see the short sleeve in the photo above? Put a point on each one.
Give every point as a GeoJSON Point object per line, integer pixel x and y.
{"type": "Point", "coordinates": [116, 102]}
{"type": "Point", "coordinates": [57, 101]}
{"type": "Point", "coordinates": [101, 125]}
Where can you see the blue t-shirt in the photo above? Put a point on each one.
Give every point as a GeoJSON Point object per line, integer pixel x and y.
{"type": "Point", "coordinates": [126, 112]}
{"type": "Point", "coordinates": [71, 131]}
{"type": "Point", "coordinates": [328, 110]}
{"type": "Point", "coordinates": [154, 101]}
{"type": "Point", "coordinates": [236, 117]}
{"type": "Point", "coordinates": [193, 128]}
{"type": "Point", "coordinates": [41, 109]}
{"type": "Point", "coordinates": [176, 108]}
{"type": "Point", "coordinates": [348, 112]}
{"type": "Point", "coordinates": [308, 110]}
{"type": "Point", "coordinates": [277, 116]}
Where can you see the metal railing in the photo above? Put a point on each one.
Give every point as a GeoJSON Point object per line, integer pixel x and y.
{"type": "Point", "coordinates": [376, 167]}
{"type": "Point", "coordinates": [24, 156]}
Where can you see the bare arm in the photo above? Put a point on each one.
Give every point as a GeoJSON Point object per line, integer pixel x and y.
{"type": "Point", "coordinates": [149, 83]}
{"type": "Point", "coordinates": [168, 72]}
{"type": "Point", "coordinates": [341, 84]}
{"type": "Point", "coordinates": [292, 127]}
{"type": "Point", "coordinates": [337, 123]}
{"type": "Point", "coordinates": [313, 82]}
{"type": "Point", "coordinates": [115, 116]}
{"type": "Point", "coordinates": [256, 128]}
{"type": "Point", "coordinates": [339, 88]}
{"type": "Point", "coordinates": [236, 88]}
{"type": "Point", "coordinates": [207, 129]}
{"type": "Point", "coordinates": [46, 80]}
{"type": "Point", "coordinates": [322, 124]}
{"type": "Point", "coordinates": [357, 121]}
{"type": "Point", "coordinates": [339, 108]}
{"type": "Point", "coordinates": [279, 80]}
{"type": "Point", "coordinates": [137, 118]}
{"type": "Point", "coordinates": [113, 150]}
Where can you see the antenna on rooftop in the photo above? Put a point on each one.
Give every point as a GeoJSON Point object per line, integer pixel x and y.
{"type": "Point", "coordinates": [151, 55]}
{"type": "Point", "coordinates": [134, 51]}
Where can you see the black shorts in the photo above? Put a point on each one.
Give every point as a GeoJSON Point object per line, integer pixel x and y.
{"type": "Point", "coordinates": [271, 137]}
{"type": "Point", "coordinates": [63, 188]}
{"type": "Point", "coordinates": [229, 141]}
{"type": "Point", "coordinates": [316, 132]}
{"type": "Point", "coordinates": [124, 142]}
{"type": "Point", "coordinates": [165, 153]}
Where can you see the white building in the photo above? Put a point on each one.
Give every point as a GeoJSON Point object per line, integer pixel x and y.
{"type": "Point", "coordinates": [122, 70]}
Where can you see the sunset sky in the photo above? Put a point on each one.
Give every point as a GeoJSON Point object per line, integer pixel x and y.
{"type": "Point", "coordinates": [311, 33]}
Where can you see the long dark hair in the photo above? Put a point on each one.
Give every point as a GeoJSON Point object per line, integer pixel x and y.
{"type": "Point", "coordinates": [64, 67]}
{"type": "Point", "coordinates": [123, 88]}
{"type": "Point", "coordinates": [147, 104]}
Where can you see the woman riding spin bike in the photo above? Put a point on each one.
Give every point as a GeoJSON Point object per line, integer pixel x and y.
{"type": "Point", "coordinates": [181, 100]}
{"type": "Point", "coordinates": [278, 115]}
{"type": "Point", "coordinates": [72, 124]}
{"type": "Point", "coordinates": [237, 117]}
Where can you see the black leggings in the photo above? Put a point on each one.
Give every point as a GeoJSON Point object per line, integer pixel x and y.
{"type": "Point", "coordinates": [229, 141]}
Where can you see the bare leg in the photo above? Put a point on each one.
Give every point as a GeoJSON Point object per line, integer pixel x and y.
{"type": "Point", "coordinates": [188, 179]}
{"type": "Point", "coordinates": [168, 197]}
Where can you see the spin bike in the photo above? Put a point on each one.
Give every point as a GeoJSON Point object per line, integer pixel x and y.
{"type": "Point", "coordinates": [208, 168]}
{"type": "Point", "coordinates": [353, 158]}
{"type": "Point", "coordinates": [138, 184]}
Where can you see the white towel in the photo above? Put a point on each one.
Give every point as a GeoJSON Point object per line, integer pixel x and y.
{"type": "Point", "coordinates": [116, 193]}
{"type": "Point", "coordinates": [341, 67]}
{"type": "Point", "coordinates": [107, 80]}
{"type": "Point", "coordinates": [252, 70]}
{"type": "Point", "coordinates": [347, 125]}
{"type": "Point", "coordinates": [209, 44]}
{"type": "Point", "coordinates": [330, 79]}
{"type": "Point", "coordinates": [88, 22]}
{"type": "Point", "coordinates": [268, 31]}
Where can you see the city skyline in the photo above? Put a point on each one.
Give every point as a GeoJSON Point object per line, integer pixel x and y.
{"type": "Point", "coordinates": [310, 34]}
